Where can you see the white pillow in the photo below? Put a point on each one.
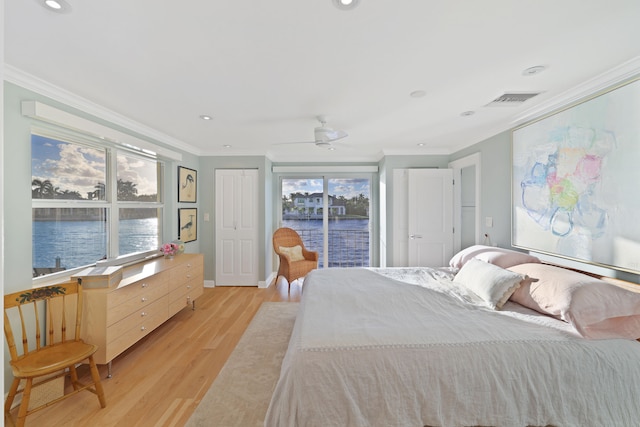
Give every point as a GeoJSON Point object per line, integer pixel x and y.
{"type": "Point", "coordinates": [490, 282]}
{"type": "Point", "coordinates": [294, 253]}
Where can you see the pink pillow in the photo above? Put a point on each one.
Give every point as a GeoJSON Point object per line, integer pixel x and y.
{"type": "Point", "coordinates": [596, 309]}
{"type": "Point", "coordinates": [493, 255]}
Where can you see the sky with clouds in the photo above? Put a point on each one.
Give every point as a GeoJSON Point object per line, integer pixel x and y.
{"type": "Point", "coordinates": [75, 167]}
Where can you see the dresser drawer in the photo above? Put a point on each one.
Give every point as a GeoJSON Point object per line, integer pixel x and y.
{"type": "Point", "coordinates": [137, 319]}
{"type": "Point", "coordinates": [138, 301]}
{"type": "Point", "coordinates": [185, 272]}
{"type": "Point", "coordinates": [185, 295]}
{"type": "Point", "coordinates": [192, 286]}
{"type": "Point", "coordinates": [129, 292]}
{"type": "Point", "coordinates": [116, 318]}
{"type": "Point", "coordinates": [137, 331]}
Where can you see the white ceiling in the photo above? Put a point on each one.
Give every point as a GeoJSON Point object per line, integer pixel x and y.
{"type": "Point", "coordinates": [265, 69]}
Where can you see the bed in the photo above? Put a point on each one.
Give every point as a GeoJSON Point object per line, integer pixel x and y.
{"type": "Point", "coordinates": [414, 347]}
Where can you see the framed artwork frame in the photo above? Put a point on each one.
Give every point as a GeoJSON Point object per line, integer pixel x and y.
{"type": "Point", "coordinates": [575, 178]}
{"type": "Point", "coordinates": [188, 224]}
{"type": "Point", "coordinates": [187, 185]}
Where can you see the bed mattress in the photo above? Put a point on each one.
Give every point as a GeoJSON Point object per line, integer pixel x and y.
{"type": "Point", "coordinates": [406, 347]}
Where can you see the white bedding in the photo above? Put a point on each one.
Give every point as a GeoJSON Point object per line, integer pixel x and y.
{"type": "Point", "coordinates": [404, 347]}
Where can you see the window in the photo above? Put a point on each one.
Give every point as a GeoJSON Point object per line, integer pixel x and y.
{"type": "Point", "coordinates": [90, 201]}
{"type": "Point", "coordinates": [343, 234]}
{"type": "Point", "coordinates": [137, 186]}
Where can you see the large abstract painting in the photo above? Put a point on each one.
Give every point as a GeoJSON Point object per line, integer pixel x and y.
{"type": "Point", "coordinates": [576, 181]}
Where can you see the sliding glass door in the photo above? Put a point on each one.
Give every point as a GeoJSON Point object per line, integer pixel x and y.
{"type": "Point", "coordinates": [348, 223]}
{"type": "Point", "coordinates": [331, 214]}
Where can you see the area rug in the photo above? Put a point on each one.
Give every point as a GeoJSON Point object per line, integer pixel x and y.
{"type": "Point", "coordinates": [240, 394]}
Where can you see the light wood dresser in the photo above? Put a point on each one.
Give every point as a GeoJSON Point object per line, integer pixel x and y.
{"type": "Point", "coordinates": [150, 292]}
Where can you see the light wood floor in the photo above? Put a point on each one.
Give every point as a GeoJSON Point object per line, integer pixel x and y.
{"type": "Point", "coordinates": [160, 380]}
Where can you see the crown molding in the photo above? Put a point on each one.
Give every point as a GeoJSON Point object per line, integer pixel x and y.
{"type": "Point", "coordinates": [30, 82]}
{"type": "Point", "coordinates": [49, 114]}
{"type": "Point", "coordinates": [625, 71]}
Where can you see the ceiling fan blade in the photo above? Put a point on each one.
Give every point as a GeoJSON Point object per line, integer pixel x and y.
{"type": "Point", "coordinates": [326, 134]}
{"type": "Point", "coordinates": [296, 142]}
{"type": "Point", "coordinates": [323, 135]}
{"type": "Point", "coordinates": [335, 135]}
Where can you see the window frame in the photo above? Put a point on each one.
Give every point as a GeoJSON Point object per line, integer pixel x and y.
{"type": "Point", "coordinates": [110, 204]}
{"type": "Point", "coordinates": [279, 176]}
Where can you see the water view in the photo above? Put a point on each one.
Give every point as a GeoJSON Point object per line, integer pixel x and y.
{"type": "Point", "coordinates": [63, 245]}
{"type": "Point", "coordinates": [348, 240]}
{"type": "Point", "coordinates": [70, 244]}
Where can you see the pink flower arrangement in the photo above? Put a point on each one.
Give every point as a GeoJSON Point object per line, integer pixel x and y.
{"type": "Point", "coordinates": [169, 249]}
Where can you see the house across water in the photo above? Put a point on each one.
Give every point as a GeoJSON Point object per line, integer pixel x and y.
{"type": "Point", "coordinates": [309, 206]}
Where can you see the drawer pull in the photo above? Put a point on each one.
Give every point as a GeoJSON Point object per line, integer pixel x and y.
{"type": "Point", "coordinates": [189, 265]}
{"type": "Point", "coordinates": [144, 313]}
{"type": "Point", "coordinates": [143, 299]}
{"type": "Point", "coordinates": [188, 299]}
{"type": "Point", "coordinates": [188, 286]}
{"type": "Point", "coordinates": [142, 328]}
{"type": "Point", "coordinates": [188, 276]}
{"type": "Point", "coordinates": [144, 285]}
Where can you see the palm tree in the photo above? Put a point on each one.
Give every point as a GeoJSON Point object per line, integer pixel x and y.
{"type": "Point", "coordinates": [43, 189]}
{"type": "Point", "coordinates": [287, 204]}
{"type": "Point", "coordinates": [127, 190]}
{"type": "Point", "coordinates": [70, 195]}
{"type": "Point", "coordinates": [36, 189]}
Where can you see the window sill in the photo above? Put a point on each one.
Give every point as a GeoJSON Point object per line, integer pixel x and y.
{"type": "Point", "coordinates": [64, 275]}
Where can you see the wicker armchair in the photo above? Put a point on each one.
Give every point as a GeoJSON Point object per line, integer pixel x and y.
{"type": "Point", "coordinates": [294, 263]}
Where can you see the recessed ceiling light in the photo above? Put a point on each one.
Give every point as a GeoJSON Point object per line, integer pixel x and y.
{"type": "Point", "coordinates": [420, 144]}
{"type": "Point", "coordinates": [53, 4]}
{"type": "Point", "coordinates": [226, 146]}
{"type": "Point", "coordinates": [467, 113]}
{"type": "Point", "coordinates": [346, 4]}
{"type": "Point", "coordinates": [59, 6]}
{"type": "Point", "coordinates": [534, 70]}
{"type": "Point", "coordinates": [205, 117]}
{"type": "Point", "coordinates": [417, 94]}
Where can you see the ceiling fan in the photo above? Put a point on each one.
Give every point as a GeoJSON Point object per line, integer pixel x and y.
{"type": "Point", "coordinates": [323, 135]}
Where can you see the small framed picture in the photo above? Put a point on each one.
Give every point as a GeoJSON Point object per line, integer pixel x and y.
{"type": "Point", "coordinates": [187, 185]}
{"type": "Point", "coordinates": [188, 224]}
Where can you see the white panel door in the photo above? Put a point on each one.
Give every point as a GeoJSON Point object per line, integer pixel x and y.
{"type": "Point", "coordinates": [237, 227]}
{"type": "Point", "coordinates": [430, 217]}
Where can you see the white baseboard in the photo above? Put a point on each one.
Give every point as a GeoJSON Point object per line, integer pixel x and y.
{"type": "Point", "coordinates": [261, 283]}
{"type": "Point", "coordinates": [266, 283]}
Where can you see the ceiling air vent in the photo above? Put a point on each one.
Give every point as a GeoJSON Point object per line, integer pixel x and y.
{"type": "Point", "coordinates": [512, 99]}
